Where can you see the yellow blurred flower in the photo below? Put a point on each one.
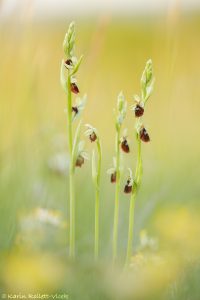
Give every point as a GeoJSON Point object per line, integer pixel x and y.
{"type": "Point", "coordinates": [28, 273]}
{"type": "Point", "coordinates": [180, 230]}
{"type": "Point", "coordinates": [150, 274]}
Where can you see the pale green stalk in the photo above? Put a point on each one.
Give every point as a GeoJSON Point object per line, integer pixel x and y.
{"type": "Point", "coordinates": [138, 175]}
{"type": "Point", "coordinates": [117, 190]}
{"type": "Point", "coordinates": [97, 191]}
{"type": "Point", "coordinates": [71, 173]}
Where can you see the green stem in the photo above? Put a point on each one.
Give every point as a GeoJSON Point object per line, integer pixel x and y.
{"type": "Point", "coordinates": [96, 236]}
{"type": "Point", "coordinates": [71, 174]}
{"type": "Point", "coordinates": [117, 189]}
{"type": "Point", "coordinates": [138, 175]}
{"type": "Point", "coordinates": [130, 228]}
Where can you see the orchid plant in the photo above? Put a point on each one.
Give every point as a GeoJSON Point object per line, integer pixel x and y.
{"type": "Point", "coordinates": [69, 68]}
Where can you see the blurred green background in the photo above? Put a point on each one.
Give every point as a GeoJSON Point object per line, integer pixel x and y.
{"type": "Point", "coordinates": [34, 158]}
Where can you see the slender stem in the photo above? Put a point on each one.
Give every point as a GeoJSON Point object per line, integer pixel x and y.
{"type": "Point", "coordinates": [117, 189]}
{"type": "Point", "coordinates": [72, 216]}
{"type": "Point", "coordinates": [130, 228]}
{"type": "Point", "coordinates": [71, 174]}
{"type": "Point", "coordinates": [96, 237]}
{"type": "Point", "coordinates": [138, 175]}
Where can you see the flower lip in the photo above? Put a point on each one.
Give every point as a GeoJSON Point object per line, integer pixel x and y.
{"type": "Point", "coordinates": [129, 183]}
{"type": "Point", "coordinates": [93, 137]}
{"type": "Point", "coordinates": [139, 110]}
{"type": "Point", "coordinates": [144, 136]}
{"type": "Point", "coordinates": [79, 161]}
{"type": "Point", "coordinates": [91, 132]}
{"type": "Point", "coordinates": [74, 88]}
{"type": "Point", "coordinates": [75, 109]}
{"type": "Point", "coordinates": [68, 63]}
{"type": "Point", "coordinates": [128, 188]}
{"type": "Point", "coordinates": [113, 177]}
{"type": "Point", "coordinates": [125, 146]}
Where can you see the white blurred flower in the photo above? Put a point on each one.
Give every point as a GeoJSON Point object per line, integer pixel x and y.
{"type": "Point", "coordinates": [41, 216]}
{"type": "Point", "coordinates": [48, 216]}
{"type": "Point", "coordinates": [59, 163]}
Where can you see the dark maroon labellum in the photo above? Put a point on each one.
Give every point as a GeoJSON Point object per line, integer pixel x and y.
{"type": "Point", "coordinates": [127, 188]}
{"type": "Point", "coordinates": [68, 62]}
{"type": "Point", "coordinates": [79, 161]}
{"type": "Point", "coordinates": [93, 137]}
{"type": "Point", "coordinates": [113, 177]}
{"type": "Point", "coordinates": [125, 146]}
{"type": "Point", "coordinates": [139, 110]}
{"type": "Point", "coordinates": [74, 88]}
{"type": "Point", "coordinates": [75, 109]}
{"type": "Point", "coordinates": [144, 135]}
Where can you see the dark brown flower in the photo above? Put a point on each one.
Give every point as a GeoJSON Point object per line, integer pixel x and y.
{"type": "Point", "coordinates": [139, 110]}
{"type": "Point", "coordinates": [75, 109]}
{"type": "Point", "coordinates": [74, 88]}
{"type": "Point", "coordinates": [79, 161]}
{"type": "Point", "coordinates": [68, 62]}
{"type": "Point", "coordinates": [93, 137]}
{"type": "Point", "coordinates": [113, 177]}
{"type": "Point", "coordinates": [127, 189]}
{"type": "Point", "coordinates": [144, 135]}
{"type": "Point", "coordinates": [125, 146]}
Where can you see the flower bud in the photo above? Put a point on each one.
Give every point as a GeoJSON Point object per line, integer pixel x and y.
{"type": "Point", "coordinates": [69, 40]}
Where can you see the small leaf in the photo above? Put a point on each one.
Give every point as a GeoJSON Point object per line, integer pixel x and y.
{"type": "Point", "coordinates": [76, 68]}
{"type": "Point", "coordinates": [149, 90]}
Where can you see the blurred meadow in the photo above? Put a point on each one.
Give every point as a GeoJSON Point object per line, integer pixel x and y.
{"type": "Point", "coordinates": [34, 156]}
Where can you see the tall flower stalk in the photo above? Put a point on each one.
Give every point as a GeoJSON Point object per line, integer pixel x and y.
{"type": "Point", "coordinates": [69, 68]}
{"type": "Point", "coordinates": [96, 174]}
{"type": "Point", "coordinates": [147, 83]}
{"type": "Point", "coordinates": [120, 116]}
